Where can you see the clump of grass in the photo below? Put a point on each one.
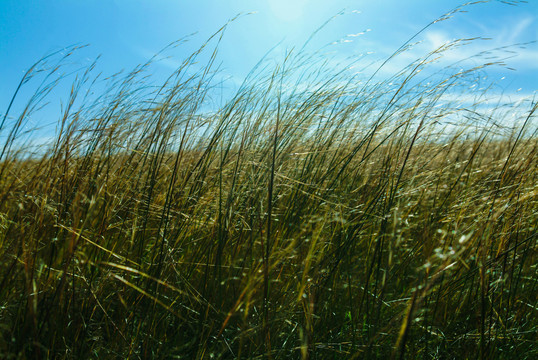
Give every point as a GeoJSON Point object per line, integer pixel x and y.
{"type": "Point", "coordinates": [314, 214]}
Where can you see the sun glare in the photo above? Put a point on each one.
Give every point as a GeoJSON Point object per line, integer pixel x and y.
{"type": "Point", "coordinates": [287, 10]}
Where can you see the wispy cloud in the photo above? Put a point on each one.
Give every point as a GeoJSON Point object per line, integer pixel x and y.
{"type": "Point", "coordinates": [509, 43]}
{"type": "Point", "coordinates": [503, 41]}
{"type": "Point", "coordinates": [514, 34]}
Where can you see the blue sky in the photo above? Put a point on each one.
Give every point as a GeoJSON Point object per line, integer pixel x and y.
{"type": "Point", "coordinates": [128, 32]}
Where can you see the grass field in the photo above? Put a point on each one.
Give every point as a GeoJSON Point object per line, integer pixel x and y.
{"type": "Point", "coordinates": [313, 214]}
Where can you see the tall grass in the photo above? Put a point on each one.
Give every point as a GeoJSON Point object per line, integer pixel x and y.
{"type": "Point", "coordinates": [315, 214]}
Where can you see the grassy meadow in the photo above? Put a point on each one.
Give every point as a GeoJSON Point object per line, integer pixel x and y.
{"type": "Point", "coordinates": [313, 214]}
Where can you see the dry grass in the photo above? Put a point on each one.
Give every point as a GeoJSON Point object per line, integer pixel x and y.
{"type": "Point", "coordinates": [312, 215]}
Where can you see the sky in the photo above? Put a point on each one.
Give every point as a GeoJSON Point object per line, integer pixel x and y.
{"type": "Point", "coordinates": [129, 32]}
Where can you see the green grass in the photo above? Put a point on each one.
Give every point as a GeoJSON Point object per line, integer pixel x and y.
{"type": "Point", "coordinates": [313, 215]}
